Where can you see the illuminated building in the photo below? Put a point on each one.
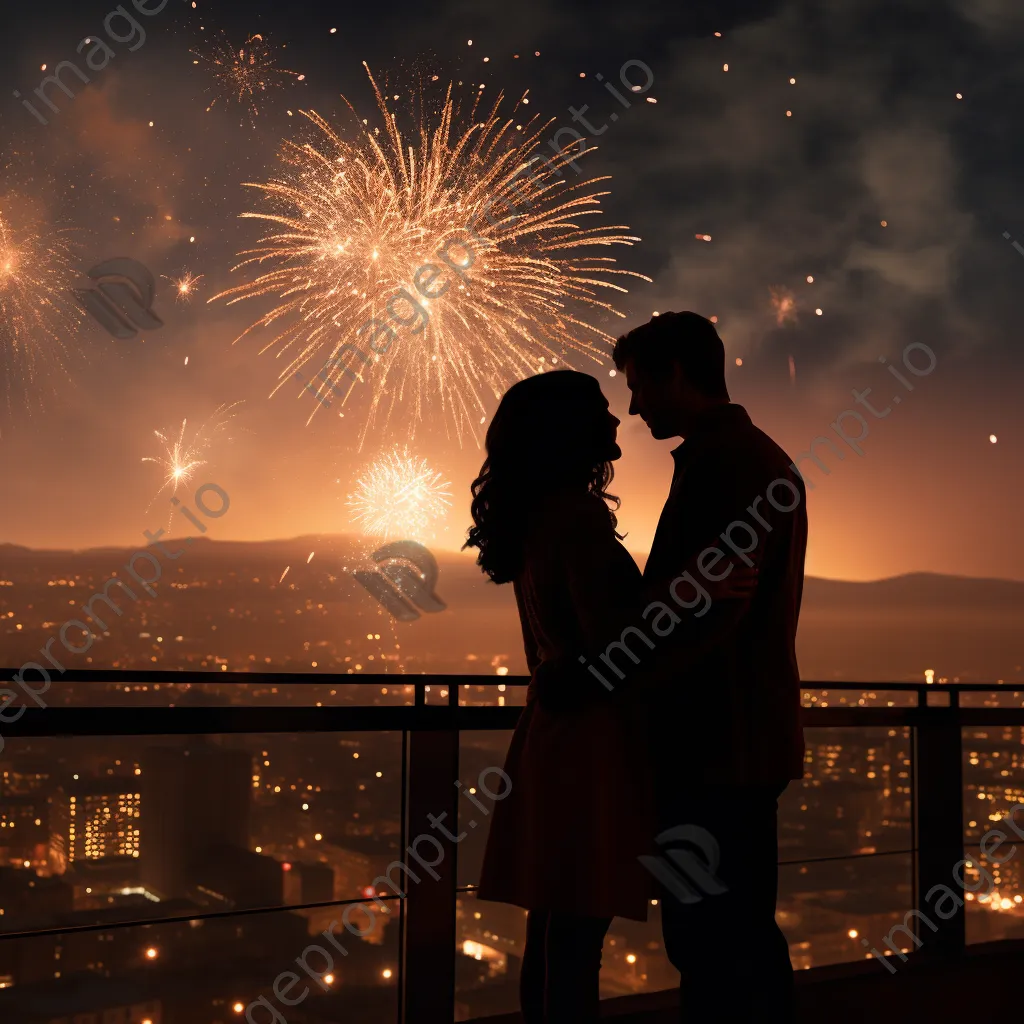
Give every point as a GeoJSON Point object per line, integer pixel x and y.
{"type": "Point", "coordinates": [91, 819]}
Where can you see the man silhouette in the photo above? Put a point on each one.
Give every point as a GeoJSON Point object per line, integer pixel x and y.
{"type": "Point", "coordinates": [722, 682]}
{"type": "Point", "coordinates": [725, 732]}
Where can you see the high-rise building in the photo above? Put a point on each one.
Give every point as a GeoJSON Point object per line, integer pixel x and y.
{"type": "Point", "coordinates": [197, 797]}
{"type": "Point", "coordinates": [94, 818]}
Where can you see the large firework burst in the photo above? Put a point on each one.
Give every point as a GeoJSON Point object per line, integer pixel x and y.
{"type": "Point", "coordinates": [244, 73]}
{"type": "Point", "coordinates": [365, 228]}
{"type": "Point", "coordinates": [399, 496]}
{"type": "Point", "coordinates": [38, 312]}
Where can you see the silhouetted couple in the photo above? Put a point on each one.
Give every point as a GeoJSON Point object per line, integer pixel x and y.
{"type": "Point", "coordinates": [662, 717]}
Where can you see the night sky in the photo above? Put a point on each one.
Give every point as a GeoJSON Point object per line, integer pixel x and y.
{"type": "Point", "coordinates": [876, 133]}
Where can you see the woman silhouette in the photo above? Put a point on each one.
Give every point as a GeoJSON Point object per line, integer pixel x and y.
{"type": "Point", "coordinates": [565, 843]}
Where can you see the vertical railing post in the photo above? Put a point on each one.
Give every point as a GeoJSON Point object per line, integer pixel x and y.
{"type": "Point", "coordinates": [429, 928]}
{"type": "Point", "coordinates": [939, 828]}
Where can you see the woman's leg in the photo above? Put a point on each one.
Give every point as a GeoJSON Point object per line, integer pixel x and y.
{"type": "Point", "coordinates": [573, 947]}
{"type": "Point", "coordinates": [533, 973]}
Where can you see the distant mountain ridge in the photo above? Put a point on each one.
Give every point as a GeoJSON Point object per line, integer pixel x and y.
{"type": "Point", "coordinates": [889, 629]}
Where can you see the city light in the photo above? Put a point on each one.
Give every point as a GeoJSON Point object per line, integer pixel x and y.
{"type": "Point", "coordinates": [152, 953]}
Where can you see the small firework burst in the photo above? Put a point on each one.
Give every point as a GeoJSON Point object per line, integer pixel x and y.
{"type": "Point", "coordinates": [784, 306]}
{"type": "Point", "coordinates": [185, 285]}
{"type": "Point", "coordinates": [399, 495]}
{"type": "Point", "coordinates": [37, 307]}
{"type": "Point", "coordinates": [244, 73]}
{"type": "Point", "coordinates": [182, 450]}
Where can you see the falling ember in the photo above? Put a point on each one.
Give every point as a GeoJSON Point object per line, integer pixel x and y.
{"type": "Point", "coordinates": [810, 279]}
{"type": "Point", "coordinates": [244, 73]}
{"type": "Point", "coordinates": [993, 439]}
{"type": "Point", "coordinates": [792, 81]}
{"type": "Point", "coordinates": [784, 305]}
{"type": "Point", "coordinates": [703, 238]}
{"type": "Point", "coordinates": [310, 559]}
{"type": "Point", "coordinates": [739, 362]}
{"type": "Point", "coordinates": [399, 496]}
{"type": "Point", "coordinates": [725, 67]}
{"type": "Point", "coordinates": [186, 360]}
{"type": "Point", "coordinates": [714, 319]}
{"type": "Point", "coordinates": [281, 580]}
{"type": "Point", "coordinates": [792, 370]}
{"type": "Point", "coordinates": [959, 96]}
{"type": "Point", "coordinates": [354, 214]}
{"type": "Point", "coordinates": [885, 223]}
{"type": "Point", "coordinates": [817, 312]}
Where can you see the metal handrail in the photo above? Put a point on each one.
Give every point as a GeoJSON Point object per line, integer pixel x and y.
{"type": "Point", "coordinates": [431, 733]}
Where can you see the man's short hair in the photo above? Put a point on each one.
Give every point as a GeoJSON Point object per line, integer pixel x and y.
{"type": "Point", "coordinates": [686, 339]}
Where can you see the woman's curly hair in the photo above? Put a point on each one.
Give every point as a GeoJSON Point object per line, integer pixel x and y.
{"type": "Point", "coordinates": [549, 433]}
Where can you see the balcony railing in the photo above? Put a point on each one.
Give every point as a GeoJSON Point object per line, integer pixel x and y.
{"type": "Point", "coordinates": [430, 727]}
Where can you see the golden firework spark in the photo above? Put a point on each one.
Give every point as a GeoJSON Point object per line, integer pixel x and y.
{"type": "Point", "coordinates": [244, 73]}
{"type": "Point", "coordinates": [185, 285]}
{"type": "Point", "coordinates": [784, 306]}
{"type": "Point", "coordinates": [182, 453]}
{"type": "Point", "coordinates": [364, 227]}
{"type": "Point", "coordinates": [399, 495]}
{"type": "Point", "coordinates": [38, 312]}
